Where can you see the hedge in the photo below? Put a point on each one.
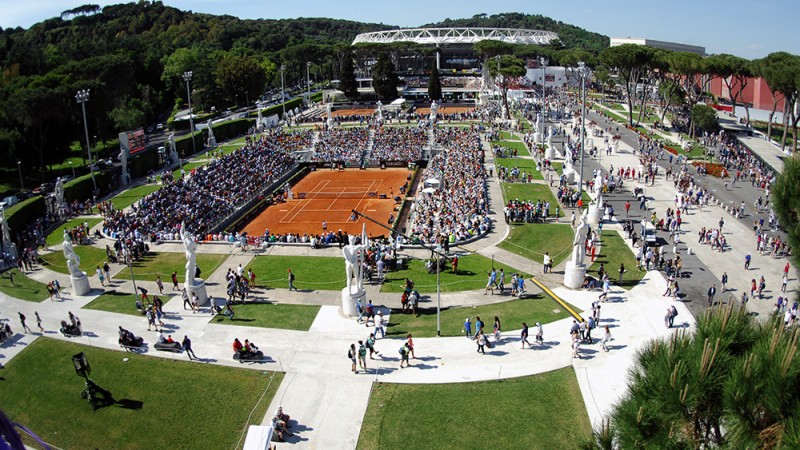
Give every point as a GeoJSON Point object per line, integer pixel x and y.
{"type": "Point", "coordinates": [141, 164]}
{"type": "Point", "coordinates": [278, 109]}
{"type": "Point", "coordinates": [183, 145]}
{"type": "Point", "coordinates": [81, 188]}
{"type": "Point", "coordinates": [25, 212]}
{"type": "Point", "coordinates": [231, 129]}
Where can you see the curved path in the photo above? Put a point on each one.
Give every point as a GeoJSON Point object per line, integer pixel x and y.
{"type": "Point", "coordinates": [320, 391]}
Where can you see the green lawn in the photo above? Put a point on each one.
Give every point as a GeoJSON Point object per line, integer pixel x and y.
{"type": "Point", "coordinates": [531, 191]}
{"type": "Point", "coordinates": [91, 257]}
{"type": "Point", "coordinates": [518, 145]}
{"type": "Point", "coordinates": [187, 167]}
{"type": "Point", "coordinates": [57, 236]}
{"type": "Point", "coordinates": [151, 266]}
{"type": "Point", "coordinates": [507, 136]}
{"type": "Point", "coordinates": [23, 288]}
{"type": "Point", "coordinates": [614, 251]}
{"type": "Point", "coordinates": [532, 240]}
{"type": "Point", "coordinates": [524, 165]}
{"type": "Point", "coordinates": [533, 308]}
{"type": "Point", "coordinates": [325, 273]}
{"type": "Point", "coordinates": [118, 302]}
{"type": "Point", "coordinates": [269, 315]}
{"type": "Point", "coordinates": [544, 411]}
{"type": "Point", "coordinates": [526, 125]}
{"type": "Point", "coordinates": [159, 403]}
{"type": "Point", "coordinates": [132, 195]}
{"type": "Point", "coordinates": [558, 167]}
{"type": "Point", "coordinates": [472, 275]}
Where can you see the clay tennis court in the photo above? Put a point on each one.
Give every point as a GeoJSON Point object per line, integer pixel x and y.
{"type": "Point", "coordinates": [351, 112]}
{"type": "Point", "coordinates": [336, 188]}
{"type": "Point", "coordinates": [445, 110]}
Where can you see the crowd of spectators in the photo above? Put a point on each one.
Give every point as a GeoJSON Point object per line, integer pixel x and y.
{"type": "Point", "coordinates": [398, 144]}
{"type": "Point", "coordinates": [458, 208]}
{"type": "Point", "coordinates": [212, 193]}
{"type": "Point", "coordinates": [342, 144]}
{"type": "Point", "coordinates": [470, 82]}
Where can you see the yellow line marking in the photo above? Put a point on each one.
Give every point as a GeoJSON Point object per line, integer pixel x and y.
{"type": "Point", "coordinates": [557, 299]}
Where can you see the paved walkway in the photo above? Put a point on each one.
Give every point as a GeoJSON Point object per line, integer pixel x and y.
{"type": "Point", "coordinates": [329, 402]}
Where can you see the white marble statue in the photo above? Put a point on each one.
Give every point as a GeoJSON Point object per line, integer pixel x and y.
{"type": "Point", "coordinates": [73, 260]}
{"type": "Point", "coordinates": [579, 243]}
{"type": "Point", "coordinates": [212, 140]}
{"type": "Point", "coordinates": [598, 189]}
{"type": "Point", "coordinates": [434, 110]}
{"type": "Point", "coordinates": [173, 151]}
{"type": "Point", "coordinates": [191, 255]}
{"type": "Point", "coordinates": [353, 262]}
{"type": "Point", "coordinates": [59, 192]}
{"type": "Point", "coordinates": [329, 111]}
{"type": "Point", "coordinates": [123, 160]}
{"type": "Point", "coordinates": [5, 231]}
{"type": "Point", "coordinates": [380, 110]}
{"type": "Point", "coordinates": [259, 119]}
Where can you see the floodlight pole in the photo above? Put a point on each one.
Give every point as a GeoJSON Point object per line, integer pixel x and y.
{"type": "Point", "coordinates": [308, 81]}
{"type": "Point", "coordinates": [438, 270]}
{"type": "Point", "coordinates": [82, 97]}
{"type": "Point", "coordinates": [582, 70]}
{"type": "Point", "coordinates": [544, 62]}
{"type": "Point", "coordinates": [187, 76]}
{"type": "Point", "coordinates": [283, 96]}
{"type": "Point", "coordinates": [21, 184]}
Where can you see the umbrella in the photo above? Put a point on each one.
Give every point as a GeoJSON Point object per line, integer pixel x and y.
{"type": "Point", "coordinates": [432, 181]}
{"type": "Point", "coordinates": [429, 190]}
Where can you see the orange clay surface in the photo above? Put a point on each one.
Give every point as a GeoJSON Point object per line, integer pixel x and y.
{"type": "Point", "coordinates": [350, 112]}
{"type": "Point", "coordinates": [445, 110]}
{"type": "Point", "coordinates": [306, 215]}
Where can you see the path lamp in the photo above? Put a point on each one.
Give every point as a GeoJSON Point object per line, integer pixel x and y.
{"type": "Point", "coordinates": [21, 184]}
{"type": "Point", "coordinates": [308, 80]}
{"type": "Point", "coordinates": [187, 76]}
{"type": "Point", "coordinates": [283, 96]}
{"type": "Point", "coordinates": [543, 60]}
{"type": "Point", "coordinates": [82, 97]}
{"type": "Point", "coordinates": [583, 71]}
{"type": "Point", "coordinates": [73, 169]}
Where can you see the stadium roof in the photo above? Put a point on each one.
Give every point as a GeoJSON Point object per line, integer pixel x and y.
{"type": "Point", "coordinates": [439, 36]}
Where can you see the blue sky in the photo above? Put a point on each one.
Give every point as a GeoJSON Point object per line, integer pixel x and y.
{"type": "Point", "coordinates": [750, 29]}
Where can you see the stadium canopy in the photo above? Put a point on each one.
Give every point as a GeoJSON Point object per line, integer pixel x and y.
{"type": "Point", "coordinates": [450, 36]}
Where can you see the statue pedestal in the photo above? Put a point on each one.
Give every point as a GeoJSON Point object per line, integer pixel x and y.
{"type": "Point", "coordinates": [349, 301]}
{"type": "Point", "coordinates": [125, 179]}
{"type": "Point", "coordinates": [12, 250]}
{"type": "Point", "coordinates": [199, 288]}
{"type": "Point", "coordinates": [331, 124]}
{"type": "Point", "coordinates": [569, 175]}
{"type": "Point", "coordinates": [574, 275]}
{"type": "Point", "coordinates": [80, 284]}
{"type": "Point", "coordinates": [550, 152]}
{"type": "Point", "coordinates": [595, 215]}
{"type": "Point", "coordinates": [212, 142]}
{"type": "Point", "coordinates": [538, 138]}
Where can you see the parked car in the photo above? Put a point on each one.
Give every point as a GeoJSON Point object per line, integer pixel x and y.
{"type": "Point", "coordinates": [11, 200]}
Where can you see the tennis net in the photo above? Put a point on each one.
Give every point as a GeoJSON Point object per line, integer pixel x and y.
{"type": "Point", "coordinates": [337, 195]}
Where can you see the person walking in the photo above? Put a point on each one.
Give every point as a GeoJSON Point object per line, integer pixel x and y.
{"type": "Point", "coordinates": [107, 271]}
{"type": "Point", "coordinates": [371, 346]}
{"type": "Point", "coordinates": [468, 328]}
{"type": "Point", "coordinates": [621, 272]}
{"type": "Point", "coordinates": [291, 280]}
{"type": "Point", "coordinates": [39, 322]}
{"type": "Point", "coordinates": [160, 284]}
{"type": "Point", "coordinates": [606, 339]}
{"type": "Point", "coordinates": [747, 259]}
{"type": "Point", "coordinates": [523, 336]}
{"type": "Point", "coordinates": [186, 301]}
{"type": "Point", "coordinates": [546, 262]}
{"type": "Point", "coordinates": [24, 325]}
{"type": "Point", "coordinates": [404, 351]}
{"type": "Point", "coordinates": [784, 282]}
{"type": "Point", "coordinates": [362, 355]}
{"type": "Point", "coordinates": [711, 292]}
{"type": "Point", "coordinates": [359, 309]}
{"type": "Point", "coordinates": [480, 339]}
{"type": "Point", "coordinates": [410, 345]}
{"type": "Point", "coordinates": [724, 281]}
{"type": "Point", "coordinates": [497, 329]}
{"type": "Point", "coordinates": [186, 345]}
{"type": "Point", "coordinates": [101, 276]}
{"type": "Point", "coordinates": [380, 324]}
{"type": "Point", "coordinates": [352, 354]}
{"type": "Point", "coordinates": [174, 280]}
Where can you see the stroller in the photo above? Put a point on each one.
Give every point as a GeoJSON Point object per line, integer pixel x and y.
{"type": "Point", "coordinates": [129, 340]}
{"type": "Point", "coordinates": [71, 330]}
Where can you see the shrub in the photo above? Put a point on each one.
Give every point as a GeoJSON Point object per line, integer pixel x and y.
{"type": "Point", "coordinates": [232, 128]}
{"type": "Point", "coordinates": [25, 212]}
{"type": "Point", "coordinates": [714, 169]}
{"type": "Point", "coordinates": [278, 109]}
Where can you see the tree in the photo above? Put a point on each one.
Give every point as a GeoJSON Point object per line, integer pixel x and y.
{"type": "Point", "coordinates": [347, 78]}
{"type": "Point", "coordinates": [734, 383]}
{"type": "Point", "coordinates": [384, 80]}
{"type": "Point", "coordinates": [632, 63]}
{"type": "Point", "coordinates": [786, 201]}
{"type": "Point", "coordinates": [670, 94]}
{"type": "Point", "coordinates": [734, 71]}
{"type": "Point", "coordinates": [130, 115]}
{"type": "Point", "coordinates": [505, 69]}
{"type": "Point", "coordinates": [434, 84]}
{"type": "Point", "coordinates": [704, 117]}
{"type": "Point", "coordinates": [240, 75]}
{"type": "Point", "coordinates": [489, 48]}
{"type": "Point", "coordinates": [779, 70]}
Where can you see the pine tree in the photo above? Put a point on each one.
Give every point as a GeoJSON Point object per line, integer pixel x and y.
{"type": "Point", "coordinates": [347, 82]}
{"type": "Point", "coordinates": [384, 80]}
{"type": "Point", "coordinates": [434, 84]}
